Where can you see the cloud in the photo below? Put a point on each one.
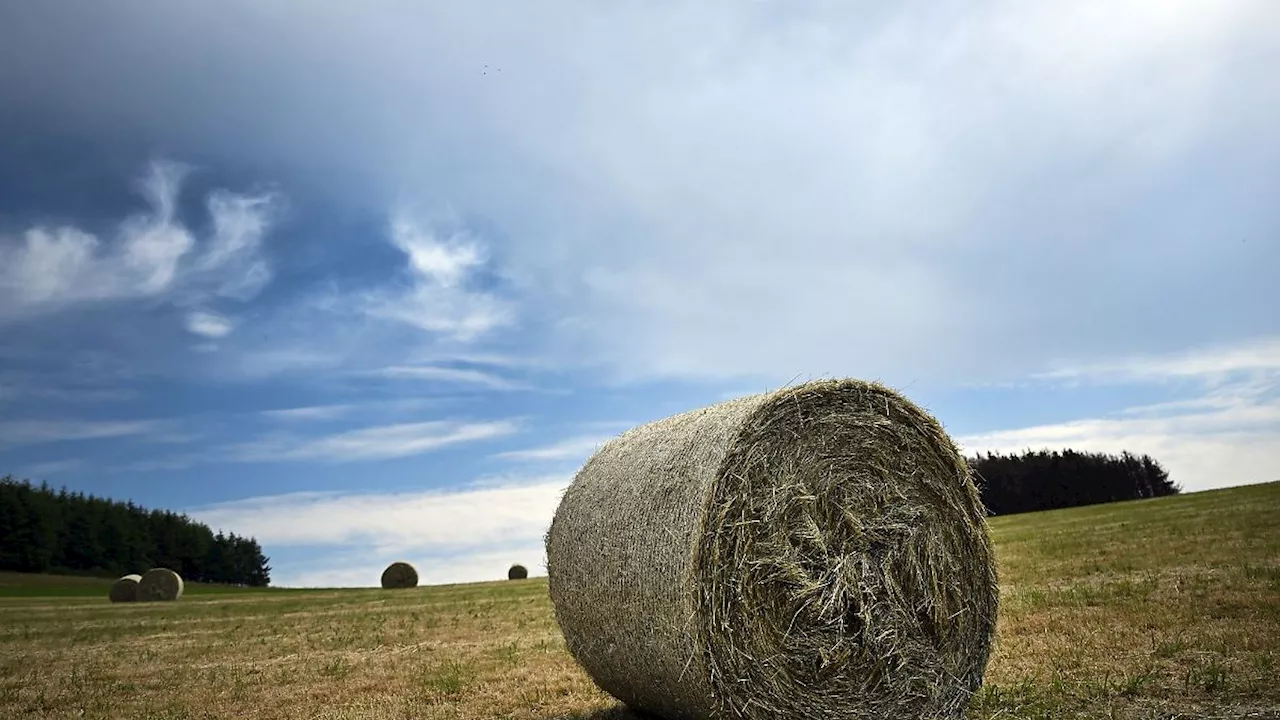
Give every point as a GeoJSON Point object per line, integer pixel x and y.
{"type": "Point", "coordinates": [380, 409]}
{"type": "Point", "coordinates": [910, 192]}
{"type": "Point", "coordinates": [438, 298]}
{"type": "Point", "coordinates": [78, 390]}
{"type": "Point", "coordinates": [579, 447]}
{"type": "Point", "coordinates": [210, 325]}
{"type": "Point", "coordinates": [371, 443]}
{"type": "Point", "coordinates": [464, 517]}
{"type": "Point", "coordinates": [1261, 355]}
{"type": "Point", "coordinates": [449, 375]}
{"type": "Point", "coordinates": [56, 467]}
{"type": "Point", "coordinates": [154, 254]}
{"type": "Point", "coordinates": [240, 223]}
{"type": "Point", "coordinates": [32, 432]}
{"type": "Point", "coordinates": [313, 412]}
{"type": "Point", "coordinates": [433, 569]}
{"type": "Point", "coordinates": [1229, 434]}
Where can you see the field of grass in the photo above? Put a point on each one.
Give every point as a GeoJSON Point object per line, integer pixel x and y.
{"type": "Point", "coordinates": [1164, 608]}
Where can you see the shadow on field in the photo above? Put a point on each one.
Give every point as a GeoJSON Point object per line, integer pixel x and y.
{"type": "Point", "coordinates": [617, 712]}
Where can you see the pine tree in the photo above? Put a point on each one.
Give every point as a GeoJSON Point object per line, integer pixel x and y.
{"type": "Point", "coordinates": [1044, 480]}
{"type": "Point", "coordinates": [43, 531]}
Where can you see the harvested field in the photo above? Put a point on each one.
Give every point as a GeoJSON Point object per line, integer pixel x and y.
{"type": "Point", "coordinates": [1155, 609]}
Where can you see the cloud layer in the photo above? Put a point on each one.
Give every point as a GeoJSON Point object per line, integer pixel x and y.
{"type": "Point", "coordinates": [1224, 431]}
{"type": "Point", "coordinates": [153, 254]}
{"type": "Point", "coordinates": [462, 535]}
{"type": "Point", "coordinates": [371, 443]}
{"type": "Point", "coordinates": [25, 432]}
{"type": "Point", "coordinates": [438, 298]}
{"type": "Point", "coordinates": [718, 190]}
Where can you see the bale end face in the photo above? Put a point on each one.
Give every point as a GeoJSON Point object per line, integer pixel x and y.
{"type": "Point", "coordinates": [125, 589]}
{"type": "Point", "coordinates": [399, 575]}
{"type": "Point", "coordinates": [517, 572]}
{"type": "Point", "coordinates": [159, 585]}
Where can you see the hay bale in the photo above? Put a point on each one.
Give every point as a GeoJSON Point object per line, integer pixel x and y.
{"type": "Point", "coordinates": [159, 584]}
{"type": "Point", "coordinates": [818, 551]}
{"type": "Point", "coordinates": [399, 575]}
{"type": "Point", "coordinates": [125, 589]}
{"type": "Point", "coordinates": [517, 572]}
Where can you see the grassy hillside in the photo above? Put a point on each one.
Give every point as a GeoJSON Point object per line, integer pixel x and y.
{"type": "Point", "coordinates": [1153, 609]}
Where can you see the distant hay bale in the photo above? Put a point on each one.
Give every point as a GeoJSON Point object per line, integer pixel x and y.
{"type": "Point", "coordinates": [399, 575]}
{"type": "Point", "coordinates": [125, 589]}
{"type": "Point", "coordinates": [818, 551]}
{"type": "Point", "coordinates": [159, 584]}
{"type": "Point", "coordinates": [517, 572]}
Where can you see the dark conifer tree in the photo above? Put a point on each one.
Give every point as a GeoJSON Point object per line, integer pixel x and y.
{"type": "Point", "coordinates": [1044, 480]}
{"type": "Point", "coordinates": [46, 531]}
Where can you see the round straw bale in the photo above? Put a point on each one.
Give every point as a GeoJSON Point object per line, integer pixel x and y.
{"type": "Point", "coordinates": [125, 589]}
{"type": "Point", "coordinates": [517, 572]}
{"type": "Point", "coordinates": [399, 575]}
{"type": "Point", "coordinates": [159, 584]}
{"type": "Point", "coordinates": [818, 551]}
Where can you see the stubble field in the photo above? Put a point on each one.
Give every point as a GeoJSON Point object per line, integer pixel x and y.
{"type": "Point", "coordinates": [1163, 608]}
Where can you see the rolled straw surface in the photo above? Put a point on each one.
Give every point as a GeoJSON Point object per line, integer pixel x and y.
{"type": "Point", "coordinates": [159, 584]}
{"type": "Point", "coordinates": [818, 551]}
{"type": "Point", "coordinates": [399, 575]}
{"type": "Point", "coordinates": [125, 589]}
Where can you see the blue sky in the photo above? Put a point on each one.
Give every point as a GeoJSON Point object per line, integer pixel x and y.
{"type": "Point", "coordinates": [371, 283]}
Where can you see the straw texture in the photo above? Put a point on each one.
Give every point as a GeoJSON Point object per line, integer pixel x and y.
{"type": "Point", "coordinates": [819, 551]}
{"type": "Point", "coordinates": [125, 589]}
{"type": "Point", "coordinates": [399, 575]}
{"type": "Point", "coordinates": [159, 584]}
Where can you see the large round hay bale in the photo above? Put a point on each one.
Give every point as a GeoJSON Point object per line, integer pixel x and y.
{"type": "Point", "coordinates": [158, 584]}
{"type": "Point", "coordinates": [815, 552]}
{"type": "Point", "coordinates": [517, 572]}
{"type": "Point", "coordinates": [125, 589]}
{"type": "Point", "coordinates": [399, 575]}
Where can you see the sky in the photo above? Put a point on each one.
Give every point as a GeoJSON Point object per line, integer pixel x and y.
{"type": "Point", "coordinates": [371, 283]}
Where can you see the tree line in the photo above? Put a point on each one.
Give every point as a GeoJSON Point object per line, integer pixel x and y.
{"type": "Point", "coordinates": [1044, 480]}
{"type": "Point", "coordinates": [61, 532]}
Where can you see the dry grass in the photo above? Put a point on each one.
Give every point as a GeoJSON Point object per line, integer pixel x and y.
{"type": "Point", "coordinates": [1157, 609]}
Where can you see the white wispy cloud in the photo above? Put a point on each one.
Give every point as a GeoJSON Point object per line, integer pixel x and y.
{"type": "Point", "coordinates": [55, 467]}
{"type": "Point", "coordinates": [31, 432]}
{"type": "Point", "coordinates": [449, 375]}
{"type": "Point", "coordinates": [57, 388]}
{"type": "Point", "coordinates": [454, 535]}
{"type": "Point", "coordinates": [1261, 355]}
{"type": "Point", "coordinates": [210, 325]}
{"type": "Point", "coordinates": [153, 254]}
{"type": "Point", "coordinates": [439, 298]}
{"type": "Point", "coordinates": [579, 447]}
{"type": "Point", "coordinates": [371, 443]}
{"type": "Point", "coordinates": [381, 409]}
{"type": "Point", "coordinates": [489, 359]}
{"type": "Point", "coordinates": [433, 569]}
{"type": "Point", "coordinates": [465, 517]}
{"type": "Point", "coordinates": [1227, 435]}
{"type": "Point", "coordinates": [312, 412]}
